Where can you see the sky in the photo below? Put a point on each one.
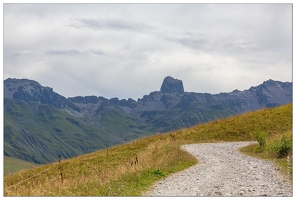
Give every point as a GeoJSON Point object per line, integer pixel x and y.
{"type": "Point", "coordinates": [126, 50]}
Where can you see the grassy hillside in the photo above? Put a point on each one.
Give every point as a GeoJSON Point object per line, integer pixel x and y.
{"type": "Point", "coordinates": [13, 165]}
{"type": "Point", "coordinates": [130, 169]}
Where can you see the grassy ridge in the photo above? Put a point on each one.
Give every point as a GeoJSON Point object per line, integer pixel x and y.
{"type": "Point", "coordinates": [130, 169]}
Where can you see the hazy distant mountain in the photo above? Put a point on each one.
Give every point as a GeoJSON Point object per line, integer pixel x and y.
{"type": "Point", "coordinates": [40, 124]}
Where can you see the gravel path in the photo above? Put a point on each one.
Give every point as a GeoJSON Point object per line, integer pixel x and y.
{"type": "Point", "coordinates": [223, 171]}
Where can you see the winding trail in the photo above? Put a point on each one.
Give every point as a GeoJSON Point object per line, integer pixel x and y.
{"type": "Point", "coordinates": [223, 171]}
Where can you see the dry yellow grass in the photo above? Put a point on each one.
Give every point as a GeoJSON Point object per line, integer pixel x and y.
{"type": "Point", "coordinates": [88, 174]}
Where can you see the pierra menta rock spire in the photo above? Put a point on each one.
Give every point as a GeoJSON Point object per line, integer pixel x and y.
{"type": "Point", "coordinates": [171, 85]}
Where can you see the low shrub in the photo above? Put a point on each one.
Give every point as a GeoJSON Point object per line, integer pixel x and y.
{"type": "Point", "coordinates": [260, 137]}
{"type": "Point", "coordinates": [283, 147]}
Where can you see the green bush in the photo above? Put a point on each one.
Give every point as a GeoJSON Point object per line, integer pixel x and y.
{"type": "Point", "coordinates": [260, 137]}
{"type": "Point", "coordinates": [283, 147]}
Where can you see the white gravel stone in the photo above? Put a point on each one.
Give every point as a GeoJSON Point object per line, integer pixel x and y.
{"type": "Point", "coordinates": [223, 171]}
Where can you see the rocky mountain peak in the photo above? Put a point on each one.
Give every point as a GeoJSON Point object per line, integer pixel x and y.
{"type": "Point", "coordinates": [32, 91]}
{"type": "Point", "coordinates": [171, 85]}
{"type": "Point", "coordinates": [11, 86]}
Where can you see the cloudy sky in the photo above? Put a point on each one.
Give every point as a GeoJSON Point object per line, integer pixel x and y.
{"type": "Point", "coordinates": [126, 50]}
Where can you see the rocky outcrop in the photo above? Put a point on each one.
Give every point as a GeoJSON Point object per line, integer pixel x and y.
{"type": "Point", "coordinates": [171, 85]}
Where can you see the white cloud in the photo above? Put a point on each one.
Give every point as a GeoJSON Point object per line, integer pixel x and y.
{"type": "Point", "coordinates": [126, 50]}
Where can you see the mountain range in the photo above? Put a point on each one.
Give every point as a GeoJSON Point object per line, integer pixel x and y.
{"type": "Point", "coordinates": [40, 124]}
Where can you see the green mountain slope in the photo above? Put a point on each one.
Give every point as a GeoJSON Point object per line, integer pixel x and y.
{"type": "Point", "coordinates": [39, 133]}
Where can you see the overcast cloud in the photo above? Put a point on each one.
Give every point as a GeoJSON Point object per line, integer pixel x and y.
{"type": "Point", "coordinates": [126, 50]}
